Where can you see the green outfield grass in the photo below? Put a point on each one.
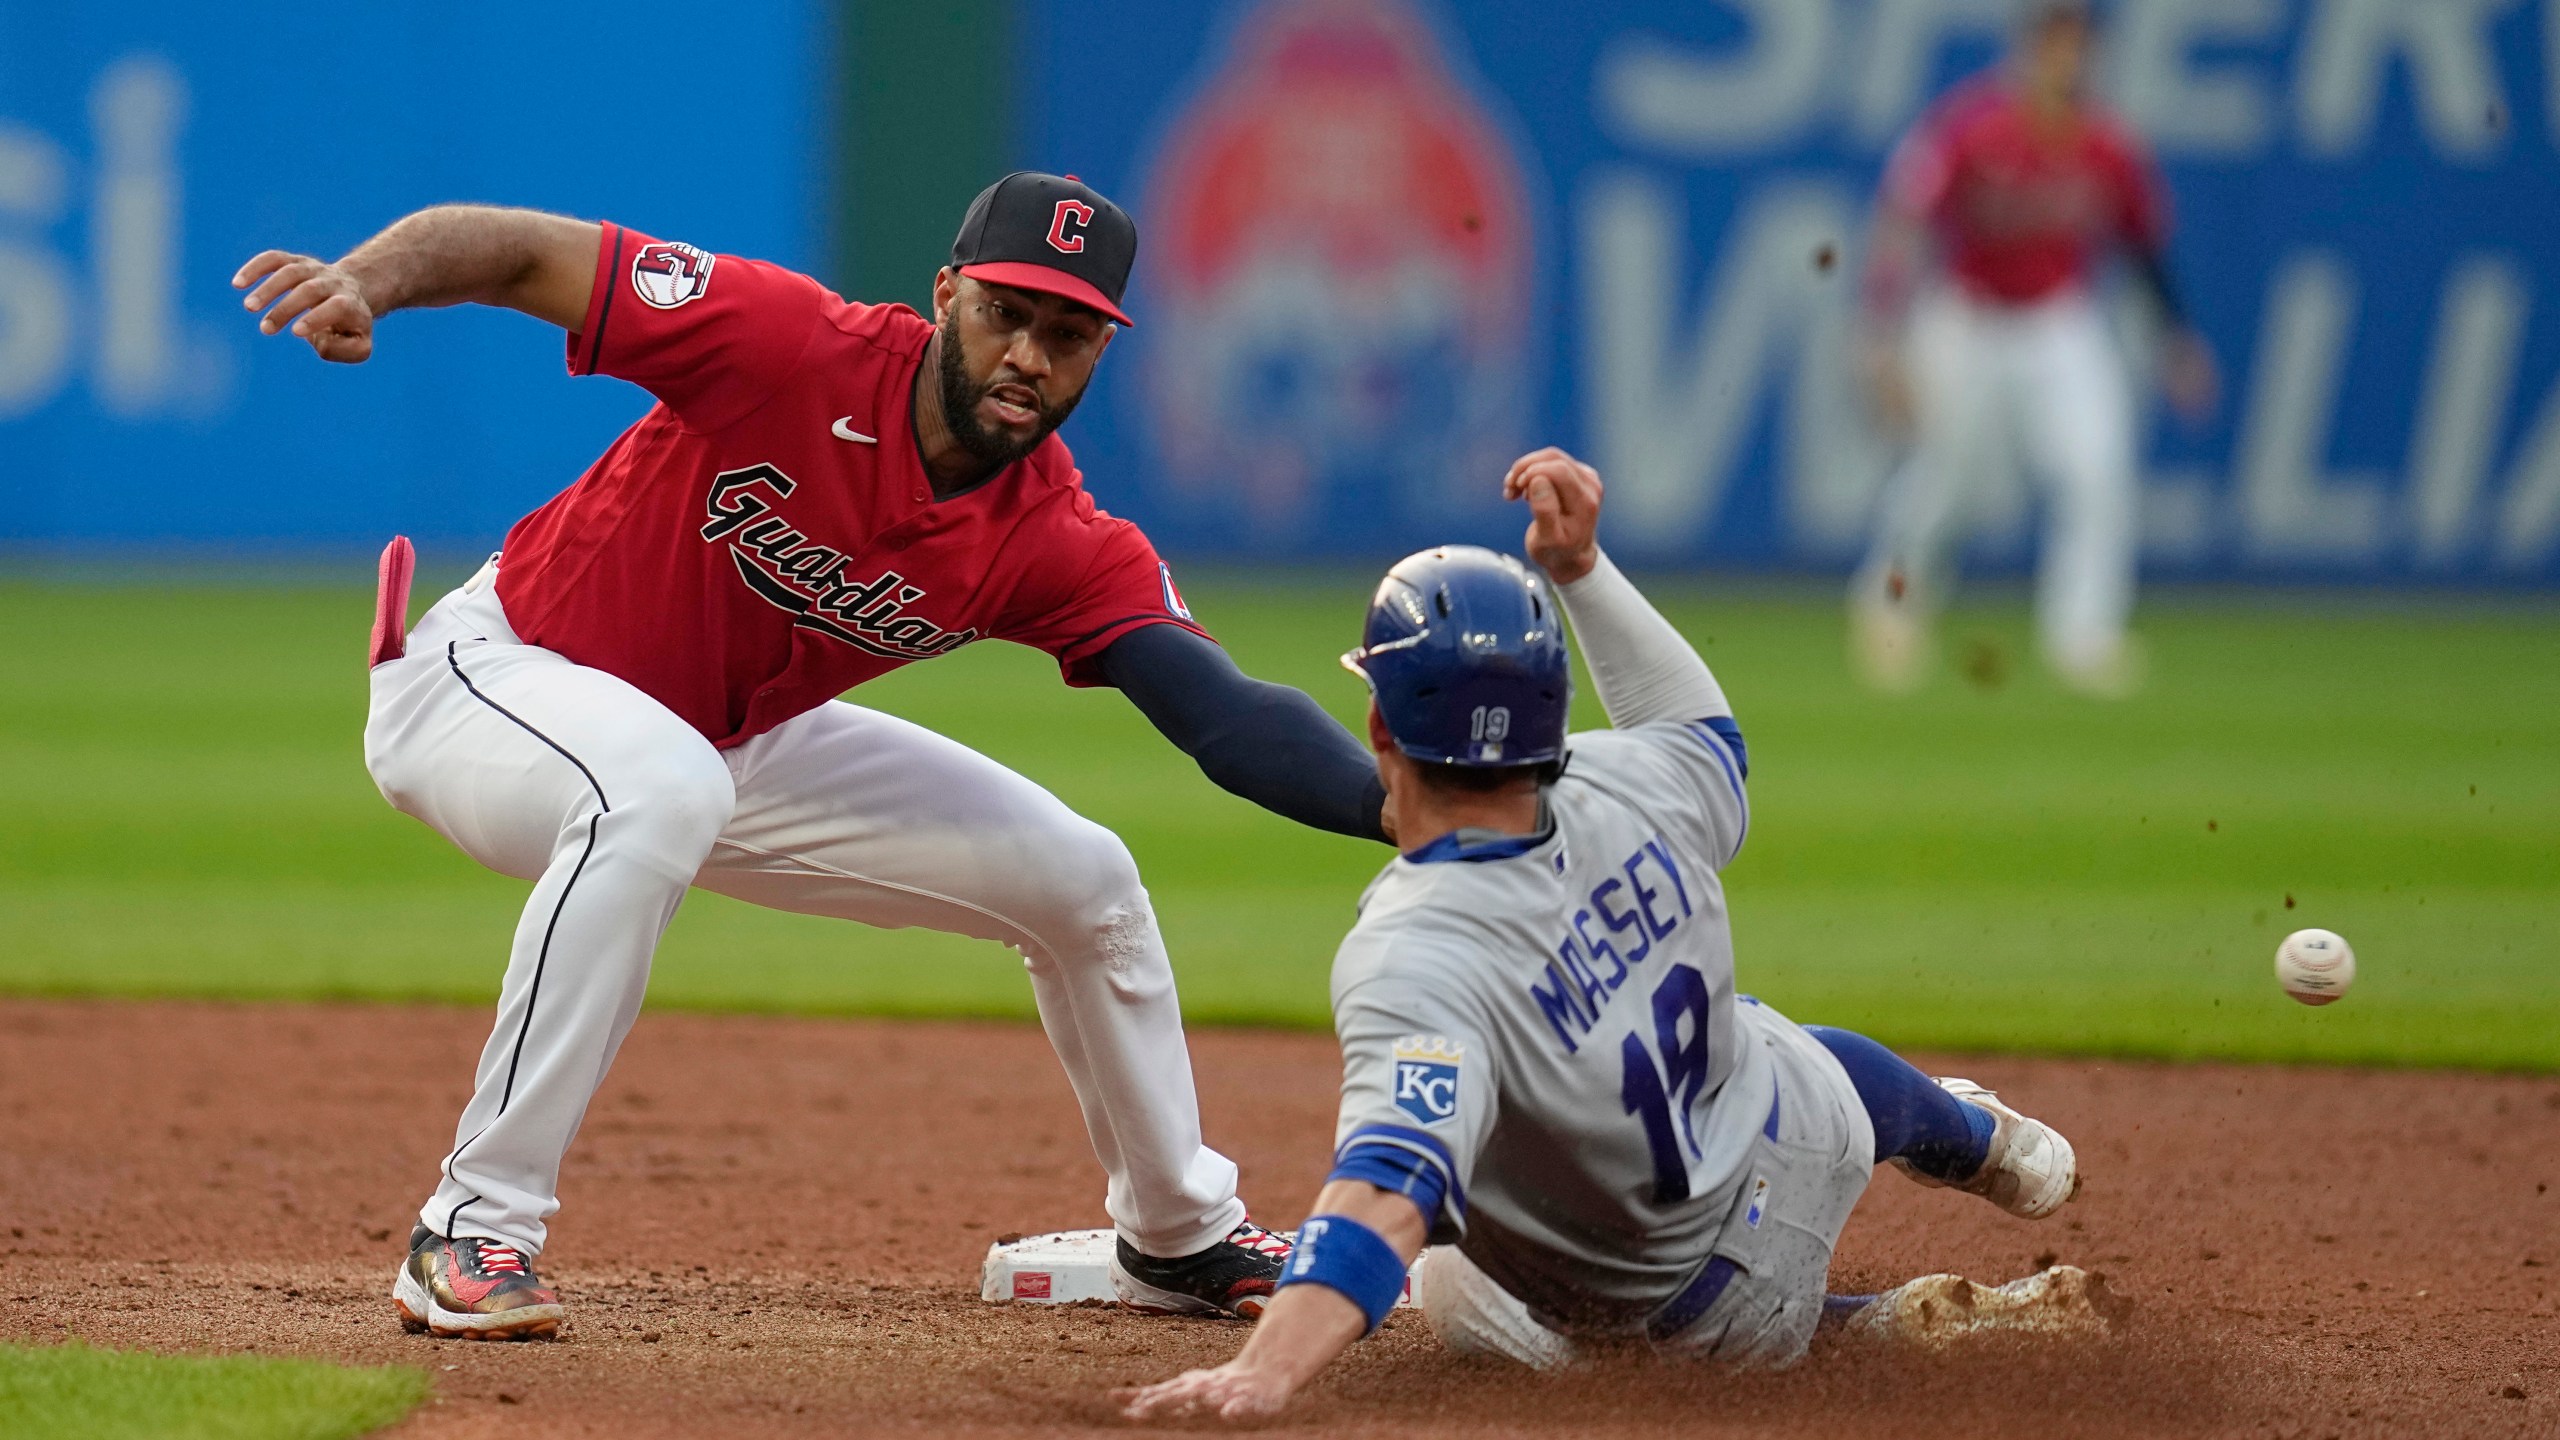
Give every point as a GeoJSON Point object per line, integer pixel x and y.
{"type": "Point", "coordinates": [71, 1392]}
{"type": "Point", "coordinates": [1991, 864]}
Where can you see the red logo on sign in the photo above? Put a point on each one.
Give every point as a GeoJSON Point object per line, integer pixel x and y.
{"type": "Point", "coordinates": [1031, 1285]}
{"type": "Point", "coordinates": [1059, 239]}
{"type": "Point", "coordinates": [1359, 132]}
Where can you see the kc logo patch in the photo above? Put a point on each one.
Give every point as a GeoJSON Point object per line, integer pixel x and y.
{"type": "Point", "coordinates": [1427, 1077]}
{"type": "Point", "coordinates": [666, 274]}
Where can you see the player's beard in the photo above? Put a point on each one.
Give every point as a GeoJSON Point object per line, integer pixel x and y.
{"type": "Point", "coordinates": [960, 397]}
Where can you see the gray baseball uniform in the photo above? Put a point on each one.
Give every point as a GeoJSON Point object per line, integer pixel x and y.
{"type": "Point", "coordinates": [1542, 1044]}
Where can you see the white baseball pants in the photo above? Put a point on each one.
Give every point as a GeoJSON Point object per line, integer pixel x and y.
{"type": "Point", "coordinates": [575, 780]}
{"type": "Point", "coordinates": [2045, 383]}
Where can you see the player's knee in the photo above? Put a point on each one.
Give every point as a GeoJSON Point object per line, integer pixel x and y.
{"type": "Point", "coordinates": [1085, 897]}
{"type": "Point", "coordinates": [1085, 872]}
{"type": "Point", "coordinates": [669, 819]}
{"type": "Point", "coordinates": [1473, 1315]}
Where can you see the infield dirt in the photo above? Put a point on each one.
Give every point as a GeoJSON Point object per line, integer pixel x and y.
{"type": "Point", "coordinates": [773, 1227]}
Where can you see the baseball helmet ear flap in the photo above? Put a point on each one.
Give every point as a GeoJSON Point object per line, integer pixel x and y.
{"type": "Point", "coordinates": [1465, 652]}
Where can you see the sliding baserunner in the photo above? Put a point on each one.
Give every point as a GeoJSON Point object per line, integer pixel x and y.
{"type": "Point", "coordinates": [638, 694]}
{"type": "Point", "coordinates": [1547, 1073]}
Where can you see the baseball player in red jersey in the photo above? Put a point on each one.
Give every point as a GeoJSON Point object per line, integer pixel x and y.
{"type": "Point", "coordinates": [2019, 184]}
{"type": "Point", "coordinates": [638, 694]}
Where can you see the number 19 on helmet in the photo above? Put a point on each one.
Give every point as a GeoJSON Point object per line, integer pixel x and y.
{"type": "Point", "coordinates": [1464, 649]}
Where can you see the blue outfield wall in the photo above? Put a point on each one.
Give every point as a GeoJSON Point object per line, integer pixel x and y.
{"type": "Point", "coordinates": [1387, 242]}
{"type": "Point", "coordinates": [148, 147]}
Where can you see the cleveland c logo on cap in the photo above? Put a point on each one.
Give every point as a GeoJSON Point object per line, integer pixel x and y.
{"type": "Point", "coordinates": [1059, 239]}
{"type": "Point", "coordinates": [1051, 235]}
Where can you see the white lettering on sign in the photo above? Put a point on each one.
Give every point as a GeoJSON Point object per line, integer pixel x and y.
{"type": "Point", "coordinates": [2529, 527]}
{"type": "Point", "coordinates": [35, 286]}
{"type": "Point", "coordinates": [147, 359]}
{"type": "Point", "coordinates": [1659, 95]}
{"type": "Point", "coordinates": [1875, 65]}
{"type": "Point", "coordinates": [138, 108]}
{"type": "Point", "coordinates": [1669, 410]}
{"type": "Point", "coordinates": [1900, 50]}
{"type": "Point", "coordinates": [2479, 332]}
{"type": "Point", "coordinates": [2178, 102]}
{"type": "Point", "coordinates": [1803, 61]}
{"type": "Point", "coordinates": [2289, 507]}
{"type": "Point", "coordinates": [2348, 51]}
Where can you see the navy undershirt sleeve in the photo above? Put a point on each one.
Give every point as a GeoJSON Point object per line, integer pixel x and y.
{"type": "Point", "coordinates": [1270, 744]}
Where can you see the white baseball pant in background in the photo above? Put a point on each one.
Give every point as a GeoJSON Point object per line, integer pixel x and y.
{"type": "Point", "coordinates": [1993, 383]}
{"type": "Point", "coordinates": [575, 780]}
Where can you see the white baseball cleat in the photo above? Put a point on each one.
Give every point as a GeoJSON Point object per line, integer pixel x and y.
{"type": "Point", "coordinates": [1889, 645]}
{"type": "Point", "coordinates": [2115, 672]}
{"type": "Point", "coordinates": [2031, 1169]}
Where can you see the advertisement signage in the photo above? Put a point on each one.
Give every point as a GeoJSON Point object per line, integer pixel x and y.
{"type": "Point", "coordinates": [148, 149]}
{"type": "Point", "coordinates": [1385, 241]}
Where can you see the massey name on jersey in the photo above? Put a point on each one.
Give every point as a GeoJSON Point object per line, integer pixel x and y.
{"type": "Point", "coordinates": [1633, 908]}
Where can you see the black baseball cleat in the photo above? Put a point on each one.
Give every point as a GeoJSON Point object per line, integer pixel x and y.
{"type": "Point", "coordinates": [471, 1288]}
{"type": "Point", "coordinates": [1233, 1277]}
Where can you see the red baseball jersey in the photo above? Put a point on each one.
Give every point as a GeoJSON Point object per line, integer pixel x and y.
{"type": "Point", "coordinates": [2021, 211]}
{"type": "Point", "coordinates": [765, 538]}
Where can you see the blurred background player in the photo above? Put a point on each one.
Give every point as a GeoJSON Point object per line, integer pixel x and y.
{"type": "Point", "coordinates": [1546, 1070]}
{"type": "Point", "coordinates": [1984, 343]}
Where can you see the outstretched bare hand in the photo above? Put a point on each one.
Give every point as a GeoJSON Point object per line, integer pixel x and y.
{"type": "Point", "coordinates": [318, 301]}
{"type": "Point", "coordinates": [1564, 511]}
{"type": "Point", "coordinates": [1230, 1392]}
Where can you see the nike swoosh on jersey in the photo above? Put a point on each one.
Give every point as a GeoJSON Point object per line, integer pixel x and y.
{"type": "Point", "coordinates": [845, 431]}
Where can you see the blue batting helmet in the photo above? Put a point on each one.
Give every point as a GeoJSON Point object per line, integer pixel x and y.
{"type": "Point", "coordinates": [1465, 652]}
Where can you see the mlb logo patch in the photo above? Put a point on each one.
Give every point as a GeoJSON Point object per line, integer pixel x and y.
{"type": "Point", "coordinates": [1173, 602]}
{"type": "Point", "coordinates": [1759, 1206]}
{"type": "Point", "coordinates": [1426, 1077]}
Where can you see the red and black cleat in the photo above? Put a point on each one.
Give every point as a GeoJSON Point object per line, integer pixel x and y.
{"type": "Point", "coordinates": [471, 1288]}
{"type": "Point", "coordinates": [1233, 1277]}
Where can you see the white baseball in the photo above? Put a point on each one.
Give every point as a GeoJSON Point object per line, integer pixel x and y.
{"type": "Point", "coordinates": [2315, 966]}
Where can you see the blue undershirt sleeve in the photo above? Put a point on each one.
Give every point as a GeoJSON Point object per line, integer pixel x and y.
{"type": "Point", "coordinates": [1413, 1164]}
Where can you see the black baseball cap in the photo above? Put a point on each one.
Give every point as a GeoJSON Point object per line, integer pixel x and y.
{"type": "Point", "coordinates": [1050, 233]}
